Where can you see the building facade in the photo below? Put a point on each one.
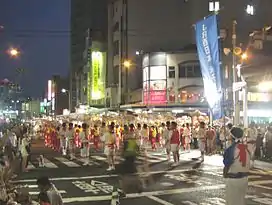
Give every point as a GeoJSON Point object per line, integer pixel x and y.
{"type": "Point", "coordinates": [172, 78]}
{"type": "Point", "coordinates": [85, 15]}
{"type": "Point", "coordinates": [57, 95]}
{"type": "Point", "coordinates": [93, 76]}
{"type": "Point", "coordinates": [139, 26]}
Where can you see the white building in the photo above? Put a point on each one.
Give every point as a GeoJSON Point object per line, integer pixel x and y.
{"type": "Point", "coordinates": [172, 78]}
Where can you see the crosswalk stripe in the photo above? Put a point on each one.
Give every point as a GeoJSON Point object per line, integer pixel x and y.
{"type": "Point", "coordinates": [37, 192]}
{"type": "Point", "coordinates": [99, 158]}
{"type": "Point", "coordinates": [148, 159]}
{"type": "Point", "coordinates": [67, 162]}
{"type": "Point", "coordinates": [82, 160]}
{"type": "Point", "coordinates": [49, 164]}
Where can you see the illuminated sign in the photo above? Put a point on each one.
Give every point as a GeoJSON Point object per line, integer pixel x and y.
{"type": "Point", "coordinates": [98, 85]}
{"type": "Point", "coordinates": [49, 90]}
{"type": "Point", "coordinates": [154, 85]}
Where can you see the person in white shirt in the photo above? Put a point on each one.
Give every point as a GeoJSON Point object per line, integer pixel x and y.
{"type": "Point", "coordinates": [166, 138]}
{"type": "Point", "coordinates": [252, 136]}
{"type": "Point", "coordinates": [201, 133]}
{"type": "Point", "coordinates": [109, 146]}
{"type": "Point", "coordinates": [144, 138]}
{"type": "Point", "coordinates": [85, 144]}
{"type": "Point", "coordinates": [187, 137]}
{"type": "Point", "coordinates": [63, 139]}
{"type": "Point", "coordinates": [24, 153]}
{"type": "Point", "coordinates": [47, 188]}
{"type": "Point", "coordinates": [70, 139]}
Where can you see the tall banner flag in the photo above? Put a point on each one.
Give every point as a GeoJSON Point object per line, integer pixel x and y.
{"type": "Point", "coordinates": [208, 54]}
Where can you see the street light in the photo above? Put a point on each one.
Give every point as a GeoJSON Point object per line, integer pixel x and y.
{"type": "Point", "coordinates": [265, 86]}
{"type": "Point", "coordinates": [244, 56]}
{"type": "Point", "coordinates": [127, 64]}
{"type": "Point", "coordinates": [13, 52]}
{"type": "Point", "coordinates": [63, 90]}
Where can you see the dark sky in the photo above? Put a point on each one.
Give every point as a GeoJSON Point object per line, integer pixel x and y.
{"type": "Point", "coordinates": [39, 28]}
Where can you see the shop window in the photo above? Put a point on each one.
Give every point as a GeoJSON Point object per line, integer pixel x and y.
{"type": "Point", "coordinates": [171, 71]}
{"type": "Point", "coordinates": [189, 70]}
{"type": "Point", "coordinates": [190, 97]}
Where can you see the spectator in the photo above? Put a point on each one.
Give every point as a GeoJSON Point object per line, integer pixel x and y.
{"type": "Point", "coordinates": [48, 189]}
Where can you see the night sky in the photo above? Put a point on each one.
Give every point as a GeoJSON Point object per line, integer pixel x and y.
{"type": "Point", "coordinates": [40, 29]}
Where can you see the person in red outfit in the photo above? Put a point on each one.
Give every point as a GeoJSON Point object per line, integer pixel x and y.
{"type": "Point", "coordinates": [175, 142]}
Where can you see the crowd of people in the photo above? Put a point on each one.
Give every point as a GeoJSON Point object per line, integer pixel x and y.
{"type": "Point", "coordinates": [129, 141]}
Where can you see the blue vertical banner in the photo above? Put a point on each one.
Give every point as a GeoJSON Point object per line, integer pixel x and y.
{"type": "Point", "coordinates": [207, 37]}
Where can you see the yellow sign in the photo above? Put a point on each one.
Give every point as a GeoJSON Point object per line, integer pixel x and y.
{"type": "Point", "coordinates": [98, 81]}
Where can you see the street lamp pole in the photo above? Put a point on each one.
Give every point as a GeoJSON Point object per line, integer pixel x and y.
{"type": "Point", "coordinates": [236, 104]}
{"type": "Point", "coordinates": [70, 103]}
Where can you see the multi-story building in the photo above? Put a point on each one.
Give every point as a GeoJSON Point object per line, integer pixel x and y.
{"type": "Point", "coordinates": [172, 78]}
{"type": "Point", "coordinates": [85, 14]}
{"type": "Point", "coordinates": [158, 25]}
{"type": "Point", "coordinates": [9, 95]}
{"type": "Point", "coordinates": [93, 76]}
{"type": "Point", "coordinates": [57, 95]}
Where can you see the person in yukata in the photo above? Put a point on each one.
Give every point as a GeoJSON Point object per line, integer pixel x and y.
{"type": "Point", "coordinates": [236, 168]}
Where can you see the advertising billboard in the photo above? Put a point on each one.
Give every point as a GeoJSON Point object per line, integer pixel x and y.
{"type": "Point", "coordinates": [98, 75]}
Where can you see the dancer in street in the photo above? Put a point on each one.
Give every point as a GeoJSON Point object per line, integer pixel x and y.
{"type": "Point", "coordinates": [236, 169]}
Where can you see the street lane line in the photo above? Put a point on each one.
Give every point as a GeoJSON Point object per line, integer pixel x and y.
{"type": "Point", "coordinates": [67, 162]}
{"type": "Point", "coordinates": [153, 193]}
{"type": "Point", "coordinates": [37, 192]}
{"type": "Point", "coordinates": [144, 194]}
{"type": "Point", "coordinates": [160, 201]}
{"type": "Point", "coordinates": [114, 175]}
{"type": "Point", "coordinates": [49, 164]}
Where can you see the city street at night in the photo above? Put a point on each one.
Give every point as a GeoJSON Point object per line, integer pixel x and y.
{"type": "Point", "coordinates": [136, 102]}
{"type": "Point", "coordinates": [187, 184]}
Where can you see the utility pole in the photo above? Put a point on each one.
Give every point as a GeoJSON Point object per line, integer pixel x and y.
{"type": "Point", "coordinates": [236, 104]}
{"type": "Point", "coordinates": [120, 61]}
{"type": "Point", "coordinates": [125, 4]}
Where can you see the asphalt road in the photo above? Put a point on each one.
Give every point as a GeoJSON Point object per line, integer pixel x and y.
{"type": "Point", "coordinates": [186, 184]}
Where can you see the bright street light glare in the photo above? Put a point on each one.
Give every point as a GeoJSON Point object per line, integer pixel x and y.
{"type": "Point", "coordinates": [265, 86]}
{"type": "Point", "coordinates": [244, 56]}
{"type": "Point", "coordinates": [250, 9]}
{"type": "Point", "coordinates": [13, 52]}
{"type": "Point", "coordinates": [127, 64]}
{"type": "Point", "coordinates": [63, 90]}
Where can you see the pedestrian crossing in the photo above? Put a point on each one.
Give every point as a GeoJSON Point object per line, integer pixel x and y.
{"type": "Point", "coordinates": [98, 160]}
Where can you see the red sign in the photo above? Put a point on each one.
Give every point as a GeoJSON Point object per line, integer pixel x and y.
{"type": "Point", "coordinates": [155, 97]}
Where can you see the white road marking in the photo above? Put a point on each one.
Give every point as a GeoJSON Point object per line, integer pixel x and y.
{"type": "Point", "coordinates": [262, 186]}
{"type": "Point", "coordinates": [37, 192]}
{"type": "Point", "coordinates": [115, 175]}
{"type": "Point", "coordinates": [144, 194]}
{"type": "Point", "coordinates": [160, 201]}
{"type": "Point", "coordinates": [148, 159]}
{"type": "Point", "coordinates": [67, 162]}
{"type": "Point", "coordinates": [90, 163]}
{"type": "Point", "coordinates": [153, 193]}
{"type": "Point", "coordinates": [99, 158]}
{"type": "Point", "coordinates": [49, 164]}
